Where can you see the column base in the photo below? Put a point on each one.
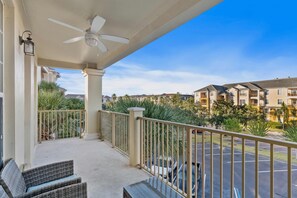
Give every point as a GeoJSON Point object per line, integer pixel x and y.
{"type": "Point", "coordinates": [91, 136]}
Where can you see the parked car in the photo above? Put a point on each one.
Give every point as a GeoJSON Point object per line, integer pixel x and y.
{"type": "Point", "coordinates": [166, 164]}
{"type": "Point", "coordinates": [183, 171]}
{"type": "Point", "coordinates": [199, 181]}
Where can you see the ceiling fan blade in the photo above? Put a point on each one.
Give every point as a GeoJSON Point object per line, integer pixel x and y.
{"type": "Point", "coordinates": [101, 46]}
{"type": "Point", "coordinates": [115, 38]}
{"type": "Point", "coordinates": [73, 40]}
{"type": "Point", "coordinates": [97, 24]}
{"type": "Point", "coordinates": [65, 25]}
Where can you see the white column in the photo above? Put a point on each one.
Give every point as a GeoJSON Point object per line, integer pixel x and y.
{"type": "Point", "coordinates": [134, 135]}
{"type": "Point", "coordinates": [13, 88]}
{"type": "Point", "coordinates": [93, 101]}
{"type": "Point", "coordinates": [30, 119]}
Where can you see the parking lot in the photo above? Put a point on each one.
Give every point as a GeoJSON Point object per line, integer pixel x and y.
{"type": "Point", "coordinates": [280, 173]}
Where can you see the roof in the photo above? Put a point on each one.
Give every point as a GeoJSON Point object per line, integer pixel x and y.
{"type": "Point", "coordinates": [218, 88]}
{"type": "Point", "coordinates": [254, 85]}
{"type": "Point", "coordinates": [265, 84]}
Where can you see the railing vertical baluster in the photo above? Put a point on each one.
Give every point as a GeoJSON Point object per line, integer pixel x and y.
{"type": "Point", "coordinates": [48, 125]}
{"type": "Point", "coordinates": [271, 170]}
{"type": "Point", "coordinates": [196, 169]}
{"type": "Point", "coordinates": [211, 165]}
{"type": "Point", "coordinates": [221, 166]}
{"type": "Point", "coordinates": [243, 168]}
{"type": "Point", "coordinates": [147, 143]}
{"type": "Point", "coordinates": [177, 153]}
{"type": "Point", "coordinates": [80, 123]}
{"type": "Point", "coordinates": [232, 168]}
{"type": "Point", "coordinates": [189, 162]}
{"type": "Point", "coordinates": [256, 168]}
{"type": "Point", "coordinates": [113, 129]}
{"type": "Point", "coordinates": [183, 160]}
{"type": "Point", "coordinates": [172, 136]}
{"type": "Point", "coordinates": [141, 143]}
{"type": "Point", "coordinates": [155, 147]}
{"type": "Point", "coordinates": [163, 144]}
{"type": "Point", "coordinates": [289, 153]}
{"type": "Point", "coordinates": [203, 165]}
{"type": "Point", "coordinates": [167, 136]}
{"type": "Point", "coordinates": [158, 148]}
{"type": "Point", "coordinates": [67, 123]}
{"type": "Point", "coordinates": [40, 126]}
{"type": "Point", "coordinates": [151, 146]}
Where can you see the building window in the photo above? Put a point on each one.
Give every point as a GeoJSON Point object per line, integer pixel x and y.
{"type": "Point", "coordinates": [266, 101]}
{"type": "Point", "coordinates": [279, 101]}
{"type": "Point", "coordinates": [242, 93]}
{"type": "Point", "coordinates": [266, 110]}
{"type": "Point", "coordinates": [279, 92]}
{"type": "Point", "coordinates": [242, 102]}
{"type": "Point", "coordinates": [266, 92]}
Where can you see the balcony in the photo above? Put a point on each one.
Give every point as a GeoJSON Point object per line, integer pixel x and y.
{"type": "Point", "coordinates": [104, 169]}
{"type": "Point", "coordinates": [253, 166]}
{"type": "Point", "coordinates": [203, 95]}
{"type": "Point", "coordinates": [292, 94]}
{"type": "Point", "coordinates": [254, 94]}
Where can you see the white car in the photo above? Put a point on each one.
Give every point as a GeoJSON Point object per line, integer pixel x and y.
{"type": "Point", "coordinates": [158, 167]}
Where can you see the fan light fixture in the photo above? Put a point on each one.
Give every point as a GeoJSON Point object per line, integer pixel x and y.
{"type": "Point", "coordinates": [91, 39]}
{"type": "Point", "coordinates": [28, 43]}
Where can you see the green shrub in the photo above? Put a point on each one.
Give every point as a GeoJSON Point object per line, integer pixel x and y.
{"type": "Point", "coordinates": [232, 124]}
{"type": "Point", "coordinates": [275, 125]}
{"type": "Point", "coordinates": [291, 132]}
{"type": "Point", "coordinates": [156, 111]}
{"type": "Point", "coordinates": [259, 128]}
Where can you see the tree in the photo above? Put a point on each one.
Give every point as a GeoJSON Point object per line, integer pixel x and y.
{"type": "Point", "coordinates": [285, 111]}
{"type": "Point", "coordinates": [259, 128]}
{"type": "Point", "coordinates": [232, 124]}
{"type": "Point", "coordinates": [114, 97]}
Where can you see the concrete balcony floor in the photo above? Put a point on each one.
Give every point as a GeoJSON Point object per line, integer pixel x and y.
{"type": "Point", "coordinates": [105, 170]}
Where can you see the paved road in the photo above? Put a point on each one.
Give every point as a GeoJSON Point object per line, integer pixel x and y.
{"type": "Point", "coordinates": [280, 173]}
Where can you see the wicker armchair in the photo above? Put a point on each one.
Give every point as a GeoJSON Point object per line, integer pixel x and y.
{"type": "Point", "coordinates": [72, 191]}
{"type": "Point", "coordinates": [56, 179]}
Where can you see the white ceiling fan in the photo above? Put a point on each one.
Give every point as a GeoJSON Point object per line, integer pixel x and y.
{"type": "Point", "coordinates": [92, 38]}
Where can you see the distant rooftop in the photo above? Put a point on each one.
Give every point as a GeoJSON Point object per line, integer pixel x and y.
{"type": "Point", "coordinates": [263, 84]}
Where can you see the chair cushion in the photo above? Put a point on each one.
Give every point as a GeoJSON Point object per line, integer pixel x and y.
{"type": "Point", "coordinates": [65, 179]}
{"type": "Point", "coordinates": [11, 179]}
{"type": "Point", "coordinates": [3, 193]}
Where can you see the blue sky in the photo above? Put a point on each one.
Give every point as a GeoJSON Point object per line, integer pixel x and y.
{"type": "Point", "coordinates": [233, 42]}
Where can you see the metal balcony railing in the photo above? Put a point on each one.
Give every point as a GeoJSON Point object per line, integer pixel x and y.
{"type": "Point", "coordinates": [57, 124]}
{"type": "Point", "coordinates": [114, 128]}
{"type": "Point", "coordinates": [292, 94]}
{"type": "Point", "coordinates": [223, 163]}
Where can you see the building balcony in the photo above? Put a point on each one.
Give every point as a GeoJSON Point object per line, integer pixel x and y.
{"type": "Point", "coordinates": [105, 170]}
{"type": "Point", "coordinates": [203, 95]}
{"type": "Point", "coordinates": [222, 156]}
{"type": "Point", "coordinates": [292, 94]}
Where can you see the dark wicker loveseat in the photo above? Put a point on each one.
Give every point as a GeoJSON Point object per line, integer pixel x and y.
{"type": "Point", "coordinates": [53, 180]}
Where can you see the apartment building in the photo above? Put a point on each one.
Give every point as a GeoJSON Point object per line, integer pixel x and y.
{"type": "Point", "coordinates": [267, 95]}
{"type": "Point", "coordinates": [158, 98]}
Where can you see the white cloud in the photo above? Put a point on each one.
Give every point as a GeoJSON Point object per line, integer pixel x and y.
{"type": "Point", "coordinates": [141, 80]}
{"type": "Point", "coordinates": [124, 78]}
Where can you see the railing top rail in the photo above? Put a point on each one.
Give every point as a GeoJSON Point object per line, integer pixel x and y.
{"type": "Point", "coordinates": [61, 110]}
{"type": "Point", "coordinates": [113, 112]}
{"type": "Point", "coordinates": [228, 133]}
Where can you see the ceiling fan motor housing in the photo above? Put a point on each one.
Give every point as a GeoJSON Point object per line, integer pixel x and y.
{"type": "Point", "coordinates": [91, 39]}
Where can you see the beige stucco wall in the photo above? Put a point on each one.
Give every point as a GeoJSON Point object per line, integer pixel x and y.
{"type": "Point", "coordinates": [15, 138]}
{"type": "Point", "coordinates": [273, 96]}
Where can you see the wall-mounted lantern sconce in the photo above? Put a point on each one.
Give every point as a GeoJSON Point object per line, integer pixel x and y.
{"type": "Point", "coordinates": [28, 44]}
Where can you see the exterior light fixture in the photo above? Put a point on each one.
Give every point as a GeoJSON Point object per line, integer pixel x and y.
{"type": "Point", "coordinates": [28, 43]}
